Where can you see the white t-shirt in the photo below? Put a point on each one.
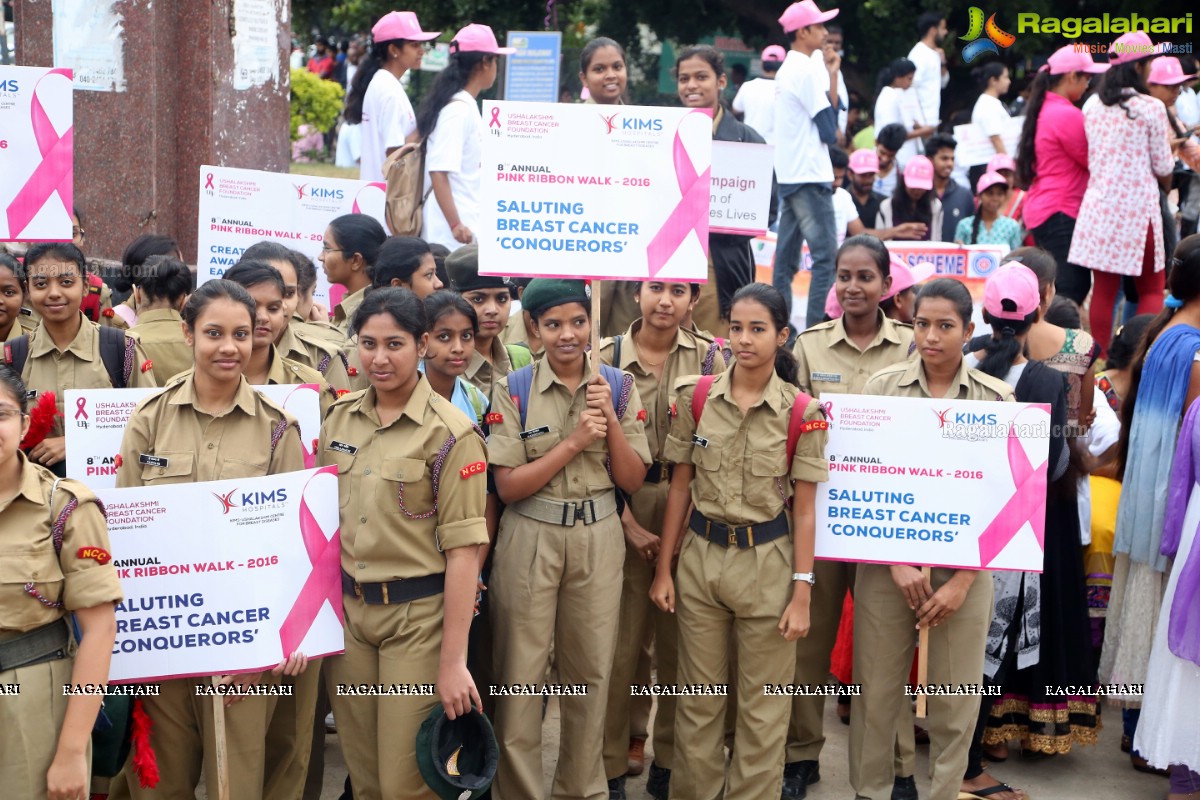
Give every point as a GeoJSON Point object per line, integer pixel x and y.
{"type": "Point", "coordinates": [755, 101]}
{"type": "Point", "coordinates": [455, 147]}
{"type": "Point", "coordinates": [844, 210]}
{"type": "Point", "coordinates": [843, 115]}
{"type": "Point", "coordinates": [886, 184]}
{"type": "Point", "coordinates": [927, 83]}
{"type": "Point", "coordinates": [990, 115]}
{"type": "Point", "coordinates": [387, 120]}
{"type": "Point", "coordinates": [898, 106]}
{"type": "Point", "coordinates": [801, 92]}
{"type": "Point", "coordinates": [1187, 107]}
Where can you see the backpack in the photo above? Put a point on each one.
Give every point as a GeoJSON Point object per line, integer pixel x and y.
{"type": "Point", "coordinates": [116, 351]}
{"type": "Point", "coordinates": [796, 423]}
{"type": "Point", "coordinates": [404, 172]}
{"type": "Point", "coordinates": [520, 383]}
{"type": "Point", "coordinates": [91, 299]}
{"type": "Point", "coordinates": [706, 367]}
{"type": "Point", "coordinates": [519, 355]}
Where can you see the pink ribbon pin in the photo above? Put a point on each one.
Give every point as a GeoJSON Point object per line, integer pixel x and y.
{"type": "Point", "coordinates": [208, 183]}
{"type": "Point", "coordinates": [323, 583]}
{"type": "Point", "coordinates": [690, 213]}
{"type": "Point", "coordinates": [1028, 504]}
{"type": "Point", "coordinates": [81, 408]}
{"type": "Point", "coordinates": [52, 175]}
{"type": "Point", "coordinates": [495, 123]}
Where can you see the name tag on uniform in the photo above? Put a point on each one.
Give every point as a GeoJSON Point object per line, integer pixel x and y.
{"type": "Point", "coordinates": [827, 377]}
{"type": "Point", "coordinates": [152, 461]}
{"type": "Point", "coordinates": [700, 440]}
{"type": "Point", "coordinates": [533, 433]}
{"type": "Point", "coordinates": [26, 312]}
{"type": "Point", "coordinates": [342, 447]}
{"type": "Point", "coordinates": [31, 394]}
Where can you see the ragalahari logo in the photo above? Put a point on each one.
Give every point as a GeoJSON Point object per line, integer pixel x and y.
{"type": "Point", "coordinates": [996, 40]}
{"type": "Point", "coordinates": [610, 123]}
{"type": "Point", "coordinates": [226, 501]}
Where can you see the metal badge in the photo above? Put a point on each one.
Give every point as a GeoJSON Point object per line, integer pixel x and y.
{"type": "Point", "coordinates": [533, 433]}
{"type": "Point", "coordinates": [342, 447]}
{"type": "Point", "coordinates": [153, 461]}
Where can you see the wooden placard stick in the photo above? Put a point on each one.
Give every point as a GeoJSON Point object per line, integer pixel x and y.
{"type": "Point", "coordinates": [222, 754]}
{"type": "Point", "coordinates": [923, 658]}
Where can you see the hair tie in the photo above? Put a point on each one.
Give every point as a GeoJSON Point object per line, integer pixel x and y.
{"type": "Point", "coordinates": [1172, 302]}
{"type": "Point", "coordinates": [1007, 331]}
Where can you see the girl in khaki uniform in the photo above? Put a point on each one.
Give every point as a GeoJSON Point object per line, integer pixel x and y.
{"type": "Point", "coordinates": [209, 425]}
{"type": "Point", "coordinates": [352, 242]}
{"type": "Point", "coordinates": [54, 560]}
{"type": "Point", "coordinates": [891, 601]}
{"type": "Point", "coordinates": [412, 471]}
{"type": "Point", "coordinates": [15, 319]}
{"type": "Point", "coordinates": [745, 567]}
{"type": "Point", "coordinates": [159, 296]}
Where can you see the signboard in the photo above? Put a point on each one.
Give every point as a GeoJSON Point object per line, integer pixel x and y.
{"type": "Point", "coordinates": [36, 154]}
{"type": "Point", "coordinates": [89, 40]}
{"type": "Point", "coordinates": [255, 43]}
{"type": "Point", "coordinates": [531, 73]}
{"type": "Point", "coordinates": [740, 202]}
{"type": "Point", "coordinates": [585, 191]}
{"type": "Point", "coordinates": [943, 483]}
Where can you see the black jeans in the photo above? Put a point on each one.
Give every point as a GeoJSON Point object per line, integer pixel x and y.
{"type": "Point", "coordinates": [1054, 236]}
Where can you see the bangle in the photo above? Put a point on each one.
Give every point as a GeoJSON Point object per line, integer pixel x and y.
{"type": "Point", "coordinates": [807, 577]}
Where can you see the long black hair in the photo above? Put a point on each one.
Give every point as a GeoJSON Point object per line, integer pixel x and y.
{"type": "Point", "coordinates": [1002, 348]}
{"type": "Point", "coordinates": [897, 69]}
{"type": "Point", "coordinates": [905, 210]}
{"type": "Point", "coordinates": [1026, 152]}
{"type": "Point", "coordinates": [1126, 341]}
{"type": "Point", "coordinates": [165, 278]}
{"type": "Point", "coordinates": [374, 61]}
{"type": "Point", "coordinates": [769, 298]}
{"type": "Point", "coordinates": [984, 74]}
{"type": "Point", "coordinates": [450, 82]}
{"type": "Point", "coordinates": [1116, 80]}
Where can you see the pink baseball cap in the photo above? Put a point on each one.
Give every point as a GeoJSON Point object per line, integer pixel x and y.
{"type": "Point", "coordinates": [905, 277]}
{"type": "Point", "coordinates": [989, 179]}
{"type": "Point", "coordinates": [864, 161]}
{"type": "Point", "coordinates": [774, 53]}
{"type": "Point", "coordinates": [918, 173]}
{"type": "Point", "coordinates": [1011, 292]}
{"type": "Point", "coordinates": [476, 38]}
{"type": "Point", "coordinates": [833, 309]}
{"type": "Point", "coordinates": [1068, 59]}
{"type": "Point", "coordinates": [1167, 71]}
{"type": "Point", "coordinates": [1001, 161]}
{"type": "Point", "coordinates": [1132, 46]}
{"type": "Point", "coordinates": [801, 15]}
{"type": "Point", "coordinates": [401, 25]}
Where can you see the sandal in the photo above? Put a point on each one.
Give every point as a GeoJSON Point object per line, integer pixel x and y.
{"type": "Point", "coordinates": [1142, 765]}
{"type": "Point", "coordinates": [981, 794]}
{"type": "Point", "coordinates": [1126, 744]}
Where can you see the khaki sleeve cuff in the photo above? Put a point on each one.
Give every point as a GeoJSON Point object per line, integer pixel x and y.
{"type": "Point", "coordinates": [677, 451]}
{"type": "Point", "coordinates": [92, 587]}
{"type": "Point", "coordinates": [463, 533]}
{"type": "Point", "coordinates": [504, 451]}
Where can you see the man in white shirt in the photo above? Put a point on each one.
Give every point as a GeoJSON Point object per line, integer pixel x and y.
{"type": "Point", "coordinates": [755, 100]}
{"type": "Point", "coordinates": [806, 99]}
{"type": "Point", "coordinates": [835, 39]}
{"type": "Point", "coordinates": [932, 74]}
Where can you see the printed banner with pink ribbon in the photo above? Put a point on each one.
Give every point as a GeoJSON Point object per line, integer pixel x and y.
{"type": "Point", "coordinates": [586, 191]}
{"type": "Point", "coordinates": [225, 576]}
{"type": "Point", "coordinates": [241, 207]}
{"type": "Point", "coordinates": [94, 421]}
{"type": "Point", "coordinates": [944, 483]}
{"type": "Point", "coordinates": [36, 154]}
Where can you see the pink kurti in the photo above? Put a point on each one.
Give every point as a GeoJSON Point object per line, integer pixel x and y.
{"type": "Point", "coordinates": [1121, 202]}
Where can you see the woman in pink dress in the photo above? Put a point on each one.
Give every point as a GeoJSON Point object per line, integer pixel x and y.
{"type": "Point", "coordinates": [1119, 230]}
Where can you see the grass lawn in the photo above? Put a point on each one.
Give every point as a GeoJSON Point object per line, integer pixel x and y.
{"type": "Point", "coordinates": [322, 170]}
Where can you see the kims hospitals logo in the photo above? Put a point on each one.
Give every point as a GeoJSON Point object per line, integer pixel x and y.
{"type": "Point", "coordinates": [996, 39]}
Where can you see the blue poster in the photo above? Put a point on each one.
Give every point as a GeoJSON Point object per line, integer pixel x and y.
{"type": "Point", "coordinates": [531, 73]}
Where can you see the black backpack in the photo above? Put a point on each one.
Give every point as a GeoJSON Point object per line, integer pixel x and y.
{"type": "Point", "coordinates": [115, 352]}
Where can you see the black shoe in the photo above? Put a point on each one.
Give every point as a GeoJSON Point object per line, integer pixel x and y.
{"type": "Point", "coordinates": [616, 788]}
{"type": "Point", "coordinates": [797, 776]}
{"type": "Point", "coordinates": [904, 788]}
{"type": "Point", "coordinates": [658, 782]}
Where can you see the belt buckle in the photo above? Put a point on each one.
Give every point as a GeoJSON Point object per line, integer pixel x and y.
{"type": "Point", "coordinates": [358, 590]}
{"type": "Point", "coordinates": [732, 536]}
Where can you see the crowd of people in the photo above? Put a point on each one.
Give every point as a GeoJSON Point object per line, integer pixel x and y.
{"type": "Point", "coordinates": [521, 516]}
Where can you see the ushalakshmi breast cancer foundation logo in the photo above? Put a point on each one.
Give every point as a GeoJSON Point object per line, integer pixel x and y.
{"type": "Point", "coordinates": [996, 39]}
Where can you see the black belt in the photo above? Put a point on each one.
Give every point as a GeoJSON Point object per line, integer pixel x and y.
{"type": "Point", "coordinates": [660, 471]}
{"type": "Point", "coordinates": [391, 593]}
{"type": "Point", "coordinates": [47, 643]}
{"type": "Point", "coordinates": [741, 538]}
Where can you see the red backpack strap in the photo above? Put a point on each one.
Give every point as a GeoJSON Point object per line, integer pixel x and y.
{"type": "Point", "coordinates": [700, 396]}
{"type": "Point", "coordinates": [797, 426]}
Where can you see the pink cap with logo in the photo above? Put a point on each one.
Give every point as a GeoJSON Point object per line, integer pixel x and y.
{"type": "Point", "coordinates": [1132, 46]}
{"type": "Point", "coordinates": [801, 15]}
{"type": "Point", "coordinates": [1069, 59]}
{"type": "Point", "coordinates": [833, 309]}
{"type": "Point", "coordinates": [1001, 161]}
{"type": "Point", "coordinates": [1167, 71]}
{"type": "Point", "coordinates": [1011, 292]}
{"type": "Point", "coordinates": [864, 161]}
{"type": "Point", "coordinates": [905, 277]}
{"type": "Point", "coordinates": [918, 173]}
{"type": "Point", "coordinates": [989, 179]}
{"type": "Point", "coordinates": [401, 25]}
{"type": "Point", "coordinates": [476, 38]}
{"type": "Point", "coordinates": [774, 53]}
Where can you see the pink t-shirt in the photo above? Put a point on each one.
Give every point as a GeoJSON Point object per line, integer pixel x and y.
{"type": "Point", "coordinates": [1061, 150]}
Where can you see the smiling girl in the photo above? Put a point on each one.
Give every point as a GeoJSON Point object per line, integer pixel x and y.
{"type": "Point", "coordinates": [987, 225]}
{"type": "Point", "coordinates": [15, 320]}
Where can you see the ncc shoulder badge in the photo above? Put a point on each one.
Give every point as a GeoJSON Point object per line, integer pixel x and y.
{"type": "Point", "coordinates": [97, 554]}
{"type": "Point", "coordinates": [472, 469]}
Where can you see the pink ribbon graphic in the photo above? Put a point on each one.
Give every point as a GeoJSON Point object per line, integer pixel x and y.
{"type": "Point", "coordinates": [690, 214]}
{"type": "Point", "coordinates": [208, 183]}
{"type": "Point", "coordinates": [827, 407]}
{"type": "Point", "coordinates": [323, 583]}
{"type": "Point", "coordinates": [381, 186]}
{"type": "Point", "coordinates": [1028, 504]}
{"type": "Point", "coordinates": [495, 123]}
{"type": "Point", "coordinates": [80, 410]}
{"type": "Point", "coordinates": [310, 456]}
{"type": "Point", "coordinates": [52, 175]}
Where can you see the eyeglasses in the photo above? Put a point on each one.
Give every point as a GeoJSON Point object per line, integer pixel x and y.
{"type": "Point", "coordinates": [77, 232]}
{"type": "Point", "coordinates": [327, 249]}
{"type": "Point", "coordinates": [7, 414]}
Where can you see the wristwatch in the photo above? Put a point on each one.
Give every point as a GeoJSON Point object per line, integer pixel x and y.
{"type": "Point", "coordinates": [807, 577]}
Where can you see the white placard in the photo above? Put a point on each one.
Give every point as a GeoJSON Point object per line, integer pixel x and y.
{"type": "Point", "coordinates": [740, 201]}
{"type": "Point", "coordinates": [36, 154]}
{"type": "Point", "coordinates": [975, 147]}
{"type": "Point", "coordinates": [255, 43]}
{"type": "Point", "coordinates": [89, 40]}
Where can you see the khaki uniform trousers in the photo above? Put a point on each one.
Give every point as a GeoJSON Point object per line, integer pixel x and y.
{"type": "Point", "coordinates": [183, 741]}
{"type": "Point", "coordinates": [30, 723]}
{"type": "Point", "coordinates": [557, 584]}
{"type": "Point", "coordinates": [290, 735]}
{"type": "Point", "coordinates": [640, 619]}
{"type": "Point", "coordinates": [806, 732]}
{"type": "Point", "coordinates": [884, 639]}
{"type": "Point", "coordinates": [393, 644]}
{"type": "Point", "coordinates": [718, 591]}
{"type": "Point", "coordinates": [707, 313]}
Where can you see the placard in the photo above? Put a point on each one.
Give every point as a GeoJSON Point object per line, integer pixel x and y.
{"type": "Point", "coordinates": [225, 577]}
{"type": "Point", "coordinates": [742, 174]}
{"type": "Point", "coordinates": [928, 482]}
{"type": "Point", "coordinates": [95, 422]}
{"type": "Point", "coordinates": [531, 73]}
{"type": "Point", "coordinates": [975, 147]}
{"type": "Point", "coordinates": [241, 207]}
{"type": "Point", "coordinates": [586, 191]}
{"type": "Point", "coordinates": [36, 154]}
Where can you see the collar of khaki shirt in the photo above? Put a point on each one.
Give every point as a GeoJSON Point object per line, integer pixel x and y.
{"type": "Point", "coordinates": [31, 482]}
{"type": "Point", "coordinates": [160, 315]}
{"type": "Point", "coordinates": [83, 345]}
{"type": "Point", "coordinates": [544, 375]}
{"type": "Point", "coordinates": [915, 373]}
{"type": "Point", "coordinates": [185, 395]}
{"type": "Point", "coordinates": [414, 409]}
{"type": "Point", "coordinates": [887, 331]}
{"type": "Point", "coordinates": [350, 303]}
{"type": "Point", "coordinates": [773, 394]}
{"type": "Point", "coordinates": [629, 351]}
{"type": "Point", "coordinates": [500, 360]}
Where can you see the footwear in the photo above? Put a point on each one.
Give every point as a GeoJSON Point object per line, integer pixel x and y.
{"type": "Point", "coordinates": [996, 754]}
{"type": "Point", "coordinates": [1142, 765]}
{"type": "Point", "coordinates": [637, 756]}
{"type": "Point", "coordinates": [658, 782]}
{"type": "Point", "coordinates": [797, 776]}
{"type": "Point", "coordinates": [616, 788]}
{"type": "Point", "coordinates": [330, 725]}
{"type": "Point", "coordinates": [981, 794]}
{"type": "Point", "coordinates": [904, 788]}
{"type": "Point", "coordinates": [1126, 744]}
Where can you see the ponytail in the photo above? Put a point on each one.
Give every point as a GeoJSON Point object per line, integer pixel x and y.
{"type": "Point", "coordinates": [448, 83]}
{"type": "Point", "coordinates": [1004, 346]}
{"type": "Point", "coordinates": [975, 226]}
{"type": "Point", "coordinates": [373, 62]}
{"type": "Point", "coordinates": [786, 367]}
{"type": "Point", "coordinates": [1026, 152]}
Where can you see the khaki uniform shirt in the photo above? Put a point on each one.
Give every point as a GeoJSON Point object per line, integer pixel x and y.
{"type": "Point", "coordinates": [618, 306]}
{"type": "Point", "coordinates": [286, 372]}
{"type": "Point", "coordinates": [741, 474]}
{"type": "Point", "coordinates": [318, 354]}
{"type": "Point", "coordinates": [197, 446]}
{"type": "Point", "coordinates": [686, 358]}
{"type": "Point", "coordinates": [514, 332]}
{"type": "Point", "coordinates": [80, 576]}
{"type": "Point", "coordinates": [908, 380]}
{"type": "Point", "coordinates": [24, 325]}
{"type": "Point", "coordinates": [320, 330]}
{"type": "Point", "coordinates": [385, 479]}
{"type": "Point", "coordinates": [343, 312]}
{"type": "Point", "coordinates": [557, 410]}
{"type": "Point", "coordinates": [830, 363]}
{"type": "Point", "coordinates": [161, 333]}
{"type": "Point", "coordinates": [49, 369]}
{"type": "Point", "coordinates": [483, 374]}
